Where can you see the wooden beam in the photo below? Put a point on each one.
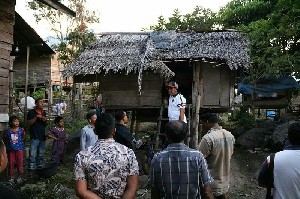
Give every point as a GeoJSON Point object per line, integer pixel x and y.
{"type": "Point", "coordinates": [59, 6]}
{"type": "Point", "coordinates": [196, 98]}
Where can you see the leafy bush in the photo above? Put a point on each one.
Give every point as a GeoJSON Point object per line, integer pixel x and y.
{"type": "Point", "coordinates": [245, 120]}
{"type": "Point", "coordinates": [40, 93]}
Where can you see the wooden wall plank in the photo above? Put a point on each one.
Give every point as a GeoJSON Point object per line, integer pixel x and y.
{"type": "Point", "coordinates": [4, 63]}
{"type": "Point", "coordinates": [4, 88]}
{"type": "Point", "coordinates": [6, 27]}
{"type": "Point", "coordinates": [39, 70]}
{"type": "Point", "coordinates": [4, 72]}
{"type": "Point", "coordinates": [225, 76]}
{"type": "Point", "coordinates": [6, 46]}
{"type": "Point", "coordinates": [4, 108]}
{"type": "Point", "coordinates": [8, 7]}
{"type": "Point", "coordinates": [6, 37]}
{"type": "Point", "coordinates": [211, 81]}
{"type": "Point", "coordinates": [131, 98]}
{"type": "Point", "coordinates": [7, 19]}
{"type": "Point", "coordinates": [4, 99]}
{"type": "Point", "coordinates": [4, 52]}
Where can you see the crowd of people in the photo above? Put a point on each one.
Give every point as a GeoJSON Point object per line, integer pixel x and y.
{"type": "Point", "coordinates": [106, 166]}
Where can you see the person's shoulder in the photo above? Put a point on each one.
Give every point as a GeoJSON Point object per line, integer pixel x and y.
{"type": "Point", "coordinates": [194, 152]}
{"type": "Point", "coordinates": [86, 127]}
{"type": "Point", "coordinates": [84, 153]}
{"type": "Point", "coordinates": [122, 146]}
{"type": "Point", "coordinates": [207, 136]}
{"type": "Point", "coordinates": [7, 192]}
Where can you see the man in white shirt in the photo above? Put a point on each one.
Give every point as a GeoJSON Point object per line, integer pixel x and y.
{"type": "Point", "coordinates": [177, 103]}
{"type": "Point", "coordinates": [284, 173]}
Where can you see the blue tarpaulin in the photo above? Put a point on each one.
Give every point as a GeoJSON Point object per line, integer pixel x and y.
{"type": "Point", "coordinates": [269, 85]}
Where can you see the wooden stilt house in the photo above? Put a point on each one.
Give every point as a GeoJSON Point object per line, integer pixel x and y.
{"type": "Point", "coordinates": [132, 69]}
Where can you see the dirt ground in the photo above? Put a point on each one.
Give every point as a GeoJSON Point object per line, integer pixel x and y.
{"type": "Point", "coordinates": [244, 167]}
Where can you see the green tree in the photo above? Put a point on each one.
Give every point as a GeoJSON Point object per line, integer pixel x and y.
{"type": "Point", "coordinates": [200, 19]}
{"type": "Point", "coordinates": [73, 33]}
{"type": "Point", "coordinates": [273, 27]}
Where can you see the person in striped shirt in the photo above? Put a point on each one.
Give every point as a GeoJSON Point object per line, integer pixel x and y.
{"type": "Point", "coordinates": [179, 171]}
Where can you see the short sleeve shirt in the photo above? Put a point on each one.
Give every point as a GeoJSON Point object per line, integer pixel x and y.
{"type": "Point", "coordinates": [179, 171]}
{"type": "Point", "coordinates": [15, 139]}
{"type": "Point", "coordinates": [175, 104]}
{"type": "Point", "coordinates": [87, 137]}
{"type": "Point", "coordinates": [106, 166]}
{"type": "Point", "coordinates": [217, 147]}
{"type": "Point", "coordinates": [37, 129]}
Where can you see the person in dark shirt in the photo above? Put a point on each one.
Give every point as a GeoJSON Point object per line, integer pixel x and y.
{"type": "Point", "coordinates": [123, 134]}
{"type": "Point", "coordinates": [37, 121]}
{"type": "Point", "coordinates": [6, 192]}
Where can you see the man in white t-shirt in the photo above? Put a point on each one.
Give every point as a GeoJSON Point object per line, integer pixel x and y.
{"type": "Point", "coordinates": [286, 166]}
{"type": "Point", "coordinates": [177, 103]}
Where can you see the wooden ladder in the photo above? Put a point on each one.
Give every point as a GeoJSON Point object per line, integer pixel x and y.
{"type": "Point", "coordinates": [160, 119]}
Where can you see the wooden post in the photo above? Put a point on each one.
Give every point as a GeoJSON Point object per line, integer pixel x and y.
{"type": "Point", "coordinates": [187, 139]}
{"type": "Point", "coordinates": [26, 84]}
{"type": "Point", "coordinates": [73, 102]}
{"type": "Point", "coordinates": [80, 111]}
{"type": "Point", "coordinates": [132, 120]}
{"type": "Point", "coordinates": [159, 126]}
{"type": "Point", "coordinates": [196, 99]}
{"type": "Point", "coordinates": [11, 87]}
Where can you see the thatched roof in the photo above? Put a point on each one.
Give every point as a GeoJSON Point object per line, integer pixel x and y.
{"type": "Point", "coordinates": [129, 52]}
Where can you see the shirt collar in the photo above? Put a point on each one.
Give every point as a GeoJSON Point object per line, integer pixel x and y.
{"type": "Point", "coordinates": [173, 96]}
{"type": "Point", "coordinates": [106, 140]}
{"type": "Point", "coordinates": [216, 128]}
{"type": "Point", "coordinates": [177, 145]}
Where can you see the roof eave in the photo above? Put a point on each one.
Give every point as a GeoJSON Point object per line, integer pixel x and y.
{"type": "Point", "coordinates": [58, 6]}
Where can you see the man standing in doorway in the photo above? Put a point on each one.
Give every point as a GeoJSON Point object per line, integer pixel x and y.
{"type": "Point", "coordinates": [177, 103]}
{"type": "Point", "coordinates": [88, 136]}
{"type": "Point", "coordinates": [217, 147]}
{"type": "Point", "coordinates": [37, 121]}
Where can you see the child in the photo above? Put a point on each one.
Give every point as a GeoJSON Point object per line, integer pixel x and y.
{"type": "Point", "coordinates": [14, 137]}
{"type": "Point", "coordinates": [58, 135]}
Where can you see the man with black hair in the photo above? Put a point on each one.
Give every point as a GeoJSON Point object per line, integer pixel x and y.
{"type": "Point", "coordinates": [177, 103]}
{"type": "Point", "coordinates": [37, 121]}
{"type": "Point", "coordinates": [6, 192]}
{"type": "Point", "coordinates": [286, 167]}
{"type": "Point", "coordinates": [107, 169]}
{"type": "Point", "coordinates": [217, 147]}
{"type": "Point", "coordinates": [87, 135]}
{"type": "Point", "coordinates": [123, 135]}
{"type": "Point", "coordinates": [179, 171]}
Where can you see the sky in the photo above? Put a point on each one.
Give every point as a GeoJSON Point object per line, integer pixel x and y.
{"type": "Point", "coordinates": [125, 15]}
